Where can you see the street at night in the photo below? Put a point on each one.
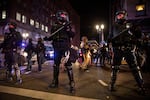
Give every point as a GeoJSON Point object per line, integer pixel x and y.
{"type": "Point", "coordinates": [73, 50]}
{"type": "Point", "coordinates": [92, 85]}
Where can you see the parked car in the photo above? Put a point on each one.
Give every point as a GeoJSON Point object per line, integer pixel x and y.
{"type": "Point", "coordinates": [49, 53]}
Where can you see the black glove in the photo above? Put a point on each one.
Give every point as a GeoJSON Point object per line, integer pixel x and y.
{"type": "Point", "coordinates": [46, 38]}
{"type": "Point", "coordinates": [109, 40]}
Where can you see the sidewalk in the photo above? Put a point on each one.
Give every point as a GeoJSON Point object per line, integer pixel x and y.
{"type": "Point", "coordinates": [37, 94]}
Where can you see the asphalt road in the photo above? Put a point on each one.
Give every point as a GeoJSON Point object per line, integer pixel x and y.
{"type": "Point", "coordinates": [92, 85]}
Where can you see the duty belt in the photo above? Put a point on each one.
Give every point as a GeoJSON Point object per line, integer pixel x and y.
{"type": "Point", "coordinates": [126, 47]}
{"type": "Point", "coordinates": [60, 40]}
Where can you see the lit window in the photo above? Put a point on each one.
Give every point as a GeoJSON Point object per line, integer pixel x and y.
{"type": "Point", "coordinates": [46, 29]}
{"type": "Point", "coordinates": [24, 19]}
{"type": "Point", "coordinates": [42, 27]}
{"type": "Point", "coordinates": [32, 22]}
{"type": "Point", "coordinates": [140, 10]}
{"type": "Point", "coordinates": [18, 16]}
{"type": "Point", "coordinates": [3, 14]}
{"type": "Point", "coordinates": [140, 7]}
{"type": "Point", "coordinates": [37, 24]}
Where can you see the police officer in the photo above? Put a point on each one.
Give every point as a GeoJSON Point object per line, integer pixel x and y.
{"type": "Point", "coordinates": [30, 50]}
{"type": "Point", "coordinates": [62, 44]}
{"type": "Point", "coordinates": [40, 50]}
{"type": "Point", "coordinates": [124, 39]}
{"type": "Point", "coordinates": [11, 49]}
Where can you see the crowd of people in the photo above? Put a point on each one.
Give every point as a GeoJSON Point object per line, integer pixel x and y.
{"type": "Point", "coordinates": [89, 56]}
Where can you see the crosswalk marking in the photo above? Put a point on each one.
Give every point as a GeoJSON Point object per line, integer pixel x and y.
{"type": "Point", "coordinates": [102, 82]}
{"type": "Point", "coordinates": [39, 94]}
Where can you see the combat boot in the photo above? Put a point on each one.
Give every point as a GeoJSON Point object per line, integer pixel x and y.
{"type": "Point", "coordinates": [111, 88]}
{"type": "Point", "coordinates": [142, 91]}
{"type": "Point", "coordinates": [54, 84]}
{"type": "Point", "coordinates": [72, 87]}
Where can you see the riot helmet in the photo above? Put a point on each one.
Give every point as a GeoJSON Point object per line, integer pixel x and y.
{"type": "Point", "coordinates": [120, 16]}
{"type": "Point", "coordinates": [62, 16]}
{"type": "Point", "coordinates": [40, 40]}
{"type": "Point", "coordinates": [12, 26]}
{"type": "Point", "coordinates": [30, 40]}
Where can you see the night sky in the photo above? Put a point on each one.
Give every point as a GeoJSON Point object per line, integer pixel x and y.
{"type": "Point", "coordinates": [92, 12]}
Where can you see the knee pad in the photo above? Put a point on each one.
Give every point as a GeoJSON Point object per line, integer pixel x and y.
{"type": "Point", "coordinates": [16, 67]}
{"type": "Point", "coordinates": [134, 67]}
{"type": "Point", "coordinates": [68, 64]}
{"type": "Point", "coordinates": [69, 67]}
{"type": "Point", "coordinates": [115, 67]}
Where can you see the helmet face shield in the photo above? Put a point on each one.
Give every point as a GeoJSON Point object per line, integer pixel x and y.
{"type": "Point", "coordinates": [12, 25]}
{"type": "Point", "coordinates": [62, 16]}
{"type": "Point", "coordinates": [121, 16]}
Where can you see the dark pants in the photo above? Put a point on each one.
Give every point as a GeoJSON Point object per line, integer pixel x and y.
{"type": "Point", "coordinates": [29, 66]}
{"type": "Point", "coordinates": [40, 60]}
{"type": "Point", "coordinates": [58, 54]}
{"type": "Point", "coordinates": [11, 61]}
{"type": "Point", "coordinates": [132, 62]}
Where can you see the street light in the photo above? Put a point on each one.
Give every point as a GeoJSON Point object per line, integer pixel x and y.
{"type": "Point", "coordinates": [100, 30]}
{"type": "Point", "coordinates": [25, 36]}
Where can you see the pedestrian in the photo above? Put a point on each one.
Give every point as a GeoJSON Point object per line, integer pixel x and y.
{"type": "Point", "coordinates": [30, 50]}
{"type": "Point", "coordinates": [125, 39]}
{"type": "Point", "coordinates": [11, 48]}
{"type": "Point", "coordinates": [110, 55]}
{"type": "Point", "coordinates": [85, 49]}
{"type": "Point", "coordinates": [40, 50]}
{"type": "Point", "coordinates": [103, 55]}
{"type": "Point", "coordinates": [61, 41]}
{"type": "Point", "coordinates": [97, 57]}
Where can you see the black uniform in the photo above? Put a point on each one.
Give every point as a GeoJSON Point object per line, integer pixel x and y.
{"type": "Point", "coordinates": [62, 46]}
{"type": "Point", "coordinates": [125, 41]}
{"type": "Point", "coordinates": [40, 50]}
{"type": "Point", "coordinates": [29, 49]}
{"type": "Point", "coordinates": [11, 46]}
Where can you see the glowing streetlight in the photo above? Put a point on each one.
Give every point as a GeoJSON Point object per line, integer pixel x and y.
{"type": "Point", "coordinates": [25, 35]}
{"type": "Point", "coordinates": [100, 30]}
{"type": "Point", "coordinates": [97, 27]}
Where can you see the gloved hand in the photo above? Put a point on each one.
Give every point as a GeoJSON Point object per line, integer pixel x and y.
{"type": "Point", "coordinates": [45, 38]}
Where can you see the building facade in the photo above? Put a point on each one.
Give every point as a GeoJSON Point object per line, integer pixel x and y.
{"type": "Point", "coordinates": [138, 12]}
{"type": "Point", "coordinates": [34, 18]}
